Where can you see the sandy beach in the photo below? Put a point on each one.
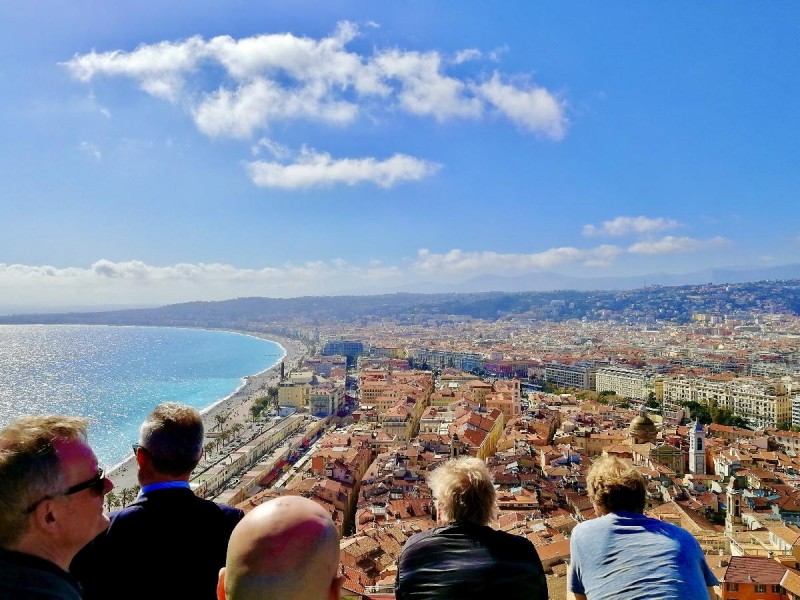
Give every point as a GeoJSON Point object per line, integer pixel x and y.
{"type": "Point", "coordinates": [236, 406]}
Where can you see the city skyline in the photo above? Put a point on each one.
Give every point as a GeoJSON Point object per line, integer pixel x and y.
{"type": "Point", "coordinates": [202, 152]}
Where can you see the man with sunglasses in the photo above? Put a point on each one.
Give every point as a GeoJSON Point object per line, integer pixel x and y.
{"type": "Point", "coordinates": [169, 543]}
{"type": "Point", "coordinates": [51, 505]}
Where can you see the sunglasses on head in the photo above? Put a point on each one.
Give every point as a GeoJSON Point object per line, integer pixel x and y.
{"type": "Point", "coordinates": [97, 484]}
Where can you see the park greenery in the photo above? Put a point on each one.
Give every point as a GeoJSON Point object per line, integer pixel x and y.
{"type": "Point", "coordinates": [264, 403]}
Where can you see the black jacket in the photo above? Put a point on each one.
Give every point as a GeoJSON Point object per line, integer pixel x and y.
{"type": "Point", "coordinates": [27, 577]}
{"type": "Point", "coordinates": [168, 544]}
{"type": "Point", "coordinates": [466, 561]}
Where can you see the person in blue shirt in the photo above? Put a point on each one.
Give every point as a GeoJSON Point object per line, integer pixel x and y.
{"type": "Point", "coordinates": [169, 543]}
{"type": "Point", "coordinates": [623, 554]}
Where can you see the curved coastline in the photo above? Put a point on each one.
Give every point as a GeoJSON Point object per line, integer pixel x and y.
{"type": "Point", "coordinates": [236, 405]}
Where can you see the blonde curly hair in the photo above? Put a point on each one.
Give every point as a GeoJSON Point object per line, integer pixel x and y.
{"type": "Point", "coordinates": [615, 486]}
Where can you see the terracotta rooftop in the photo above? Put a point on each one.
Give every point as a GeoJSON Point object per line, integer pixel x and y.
{"type": "Point", "coordinates": [754, 569]}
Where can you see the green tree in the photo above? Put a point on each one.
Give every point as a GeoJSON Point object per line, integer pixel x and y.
{"type": "Point", "coordinates": [698, 411]}
{"type": "Point", "coordinates": [220, 418]}
{"type": "Point", "coordinates": [111, 500]}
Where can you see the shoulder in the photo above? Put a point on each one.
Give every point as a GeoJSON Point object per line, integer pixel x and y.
{"type": "Point", "coordinates": [220, 508]}
{"type": "Point", "coordinates": [420, 538]}
{"type": "Point", "coordinates": [585, 527]}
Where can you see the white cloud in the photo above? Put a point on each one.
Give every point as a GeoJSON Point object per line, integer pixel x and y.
{"type": "Point", "coordinates": [275, 77]}
{"type": "Point", "coordinates": [533, 108]}
{"type": "Point", "coordinates": [92, 150]}
{"type": "Point", "coordinates": [497, 53]}
{"type": "Point", "coordinates": [135, 282]}
{"type": "Point", "coordinates": [159, 68]}
{"type": "Point", "coordinates": [424, 89]}
{"type": "Point", "coordinates": [458, 262]}
{"type": "Point", "coordinates": [630, 225]}
{"type": "Point", "coordinates": [96, 106]}
{"type": "Point", "coordinates": [315, 169]}
{"type": "Point", "coordinates": [275, 149]}
{"type": "Point", "coordinates": [467, 55]}
{"type": "Point", "coordinates": [676, 245]}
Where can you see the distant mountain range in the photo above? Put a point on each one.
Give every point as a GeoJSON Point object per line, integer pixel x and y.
{"type": "Point", "coordinates": [639, 305]}
{"type": "Point", "coordinates": [538, 282]}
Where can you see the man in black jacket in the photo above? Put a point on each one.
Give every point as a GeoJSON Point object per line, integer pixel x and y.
{"type": "Point", "coordinates": [51, 505]}
{"type": "Point", "coordinates": [465, 558]}
{"type": "Point", "coordinates": [169, 543]}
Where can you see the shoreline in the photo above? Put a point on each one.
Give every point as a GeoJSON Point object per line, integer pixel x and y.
{"type": "Point", "coordinates": [236, 405]}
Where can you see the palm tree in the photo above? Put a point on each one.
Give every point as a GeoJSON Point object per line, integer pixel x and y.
{"type": "Point", "coordinates": [111, 500]}
{"type": "Point", "coordinates": [220, 419]}
{"type": "Point", "coordinates": [208, 449]}
{"type": "Point", "coordinates": [129, 495]}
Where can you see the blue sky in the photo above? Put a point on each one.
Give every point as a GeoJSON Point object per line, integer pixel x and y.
{"type": "Point", "coordinates": [158, 152]}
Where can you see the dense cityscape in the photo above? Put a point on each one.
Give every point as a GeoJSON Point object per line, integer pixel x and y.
{"type": "Point", "coordinates": [705, 402]}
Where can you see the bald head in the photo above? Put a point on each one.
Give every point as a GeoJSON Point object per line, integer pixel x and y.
{"type": "Point", "coordinates": [286, 548]}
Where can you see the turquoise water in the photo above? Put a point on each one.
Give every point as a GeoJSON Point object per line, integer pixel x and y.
{"type": "Point", "coordinates": [115, 375]}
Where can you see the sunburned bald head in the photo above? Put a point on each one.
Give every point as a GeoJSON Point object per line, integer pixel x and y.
{"type": "Point", "coordinates": [286, 548]}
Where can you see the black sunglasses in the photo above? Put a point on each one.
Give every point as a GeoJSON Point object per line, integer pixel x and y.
{"type": "Point", "coordinates": [97, 484]}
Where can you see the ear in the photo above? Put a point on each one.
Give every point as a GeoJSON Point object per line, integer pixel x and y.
{"type": "Point", "coordinates": [221, 584]}
{"type": "Point", "coordinates": [140, 458]}
{"type": "Point", "coordinates": [44, 515]}
{"type": "Point", "coordinates": [335, 593]}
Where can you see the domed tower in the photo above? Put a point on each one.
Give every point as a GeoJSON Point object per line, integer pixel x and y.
{"type": "Point", "coordinates": [642, 429]}
{"type": "Point", "coordinates": [697, 448]}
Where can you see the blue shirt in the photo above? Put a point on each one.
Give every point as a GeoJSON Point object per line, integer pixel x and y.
{"type": "Point", "coordinates": [628, 556]}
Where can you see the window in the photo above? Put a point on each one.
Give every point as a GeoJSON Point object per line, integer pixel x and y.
{"type": "Point", "coordinates": [732, 587]}
{"type": "Point", "coordinates": [759, 587]}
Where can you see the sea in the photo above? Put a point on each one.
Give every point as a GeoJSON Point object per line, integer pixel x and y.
{"type": "Point", "coordinates": [114, 376]}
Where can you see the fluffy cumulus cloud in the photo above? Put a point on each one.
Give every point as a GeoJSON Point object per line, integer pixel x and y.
{"type": "Point", "coordinates": [622, 226]}
{"type": "Point", "coordinates": [136, 282]}
{"type": "Point", "coordinates": [300, 77]}
{"type": "Point", "coordinates": [239, 88]}
{"type": "Point", "coordinates": [459, 262]}
{"type": "Point", "coordinates": [676, 245]}
{"type": "Point", "coordinates": [316, 169]}
{"type": "Point", "coordinates": [533, 108]}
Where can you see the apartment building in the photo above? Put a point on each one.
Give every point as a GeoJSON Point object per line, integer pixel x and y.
{"type": "Point", "coordinates": [443, 359]}
{"type": "Point", "coordinates": [625, 382]}
{"type": "Point", "coordinates": [293, 394]}
{"type": "Point", "coordinates": [351, 349]}
{"type": "Point", "coordinates": [763, 403]}
{"type": "Point", "coordinates": [580, 376]}
{"type": "Point", "coordinates": [325, 399]}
